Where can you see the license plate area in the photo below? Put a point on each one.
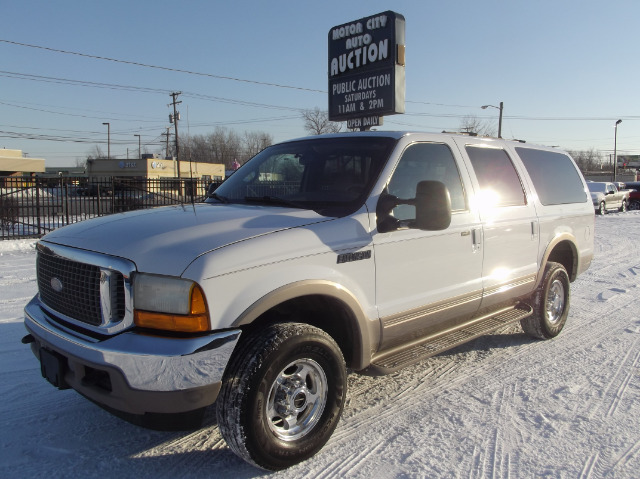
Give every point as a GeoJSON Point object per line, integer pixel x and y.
{"type": "Point", "coordinates": [53, 367]}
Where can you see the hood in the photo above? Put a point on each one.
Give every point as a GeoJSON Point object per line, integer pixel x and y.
{"type": "Point", "coordinates": [166, 240]}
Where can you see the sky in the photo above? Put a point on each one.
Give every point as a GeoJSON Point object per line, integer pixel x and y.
{"type": "Point", "coordinates": [565, 70]}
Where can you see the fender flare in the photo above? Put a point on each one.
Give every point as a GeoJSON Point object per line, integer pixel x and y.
{"type": "Point", "coordinates": [366, 332]}
{"type": "Point", "coordinates": [561, 238]}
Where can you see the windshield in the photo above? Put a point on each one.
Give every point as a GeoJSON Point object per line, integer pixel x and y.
{"type": "Point", "coordinates": [330, 175]}
{"type": "Point", "coordinates": [596, 187]}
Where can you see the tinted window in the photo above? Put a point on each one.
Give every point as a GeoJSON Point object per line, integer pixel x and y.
{"type": "Point", "coordinates": [333, 175]}
{"type": "Point", "coordinates": [500, 184]}
{"type": "Point", "coordinates": [554, 176]}
{"type": "Point", "coordinates": [420, 162]}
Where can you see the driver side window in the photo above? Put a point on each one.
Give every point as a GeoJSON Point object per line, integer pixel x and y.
{"type": "Point", "coordinates": [420, 162]}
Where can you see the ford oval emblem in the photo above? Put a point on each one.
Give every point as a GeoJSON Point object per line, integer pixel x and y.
{"type": "Point", "coordinates": [56, 285]}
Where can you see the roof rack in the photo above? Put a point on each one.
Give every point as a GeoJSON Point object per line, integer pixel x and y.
{"type": "Point", "coordinates": [468, 133]}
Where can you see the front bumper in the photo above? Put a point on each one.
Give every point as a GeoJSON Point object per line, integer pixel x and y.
{"type": "Point", "coordinates": [132, 372]}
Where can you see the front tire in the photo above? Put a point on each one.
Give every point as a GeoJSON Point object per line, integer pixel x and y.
{"type": "Point", "coordinates": [634, 205]}
{"type": "Point", "coordinates": [282, 396]}
{"type": "Point", "coordinates": [550, 304]}
{"type": "Point", "coordinates": [602, 208]}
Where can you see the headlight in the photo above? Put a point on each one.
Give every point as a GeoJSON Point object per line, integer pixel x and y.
{"type": "Point", "coordinates": [171, 304]}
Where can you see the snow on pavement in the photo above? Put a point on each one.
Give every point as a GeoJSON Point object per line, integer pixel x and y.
{"type": "Point", "coordinates": [501, 406]}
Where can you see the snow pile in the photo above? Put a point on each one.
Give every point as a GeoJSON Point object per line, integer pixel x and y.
{"type": "Point", "coordinates": [23, 245]}
{"type": "Point", "coordinates": [24, 193]}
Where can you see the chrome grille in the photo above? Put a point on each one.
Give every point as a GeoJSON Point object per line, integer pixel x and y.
{"type": "Point", "coordinates": [73, 289]}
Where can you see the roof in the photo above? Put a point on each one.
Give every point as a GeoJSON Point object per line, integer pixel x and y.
{"type": "Point", "coordinates": [13, 161]}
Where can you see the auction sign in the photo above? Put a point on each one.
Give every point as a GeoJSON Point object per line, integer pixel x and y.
{"type": "Point", "coordinates": [366, 69]}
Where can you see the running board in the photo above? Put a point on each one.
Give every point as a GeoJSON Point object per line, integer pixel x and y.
{"type": "Point", "coordinates": [390, 361]}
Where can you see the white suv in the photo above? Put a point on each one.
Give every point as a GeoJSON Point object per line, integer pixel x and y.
{"type": "Point", "coordinates": [366, 251]}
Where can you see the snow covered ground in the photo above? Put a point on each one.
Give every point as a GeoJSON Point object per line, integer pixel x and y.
{"type": "Point", "coordinates": [501, 406]}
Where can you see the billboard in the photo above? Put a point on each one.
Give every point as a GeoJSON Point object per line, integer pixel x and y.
{"type": "Point", "coordinates": [366, 68]}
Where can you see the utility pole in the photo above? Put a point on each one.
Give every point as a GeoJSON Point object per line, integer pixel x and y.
{"type": "Point", "coordinates": [167, 134]}
{"type": "Point", "coordinates": [615, 152]}
{"type": "Point", "coordinates": [174, 119]}
{"type": "Point", "coordinates": [108, 140]}
{"type": "Point", "coordinates": [139, 148]}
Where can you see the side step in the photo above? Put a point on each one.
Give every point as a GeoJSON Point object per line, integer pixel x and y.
{"type": "Point", "coordinates": [390, 361]}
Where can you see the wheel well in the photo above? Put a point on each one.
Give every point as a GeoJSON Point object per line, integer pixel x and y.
{"type": "Point", "coordinates": [324, 312]}
{"type": "Point", "coordinates": [565, 254]}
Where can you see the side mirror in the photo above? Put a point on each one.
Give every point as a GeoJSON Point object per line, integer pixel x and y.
{"type": "Point", "coordinates": [433, 206]}
{"type": "Point", "coordinates": [432, 203]}
{"type": "Point", "coordinates": [386, 204]}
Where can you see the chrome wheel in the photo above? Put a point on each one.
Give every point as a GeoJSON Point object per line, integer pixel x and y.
{"type": "Point", "coordinates": [554, 307]}
{"type": "Point", "coordinates": [297, 399]}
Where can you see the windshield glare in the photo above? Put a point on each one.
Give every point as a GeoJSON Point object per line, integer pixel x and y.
{"type": "Point", "coordinates": [315, 174]}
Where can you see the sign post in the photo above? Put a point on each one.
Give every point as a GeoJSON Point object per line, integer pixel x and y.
{"type": "Point", "coordinates": [366, 70]}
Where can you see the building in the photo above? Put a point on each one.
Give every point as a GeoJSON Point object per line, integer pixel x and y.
{"type": "Point", "coordinates": [13, 163]}
{"type": "Point", "coordinates": [152, 167]}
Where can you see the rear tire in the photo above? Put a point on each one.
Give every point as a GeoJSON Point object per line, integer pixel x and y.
{"type": "Point", "coordinates": [634, 205]}
{"type": "Point", "coordinates": [282, 395]}
{"type": "Point", "coordinates": [550, 304]}
{"type": "Point", "coordinates": [623, 207]}
{"type": "Point", "coordinates": [602, 208]}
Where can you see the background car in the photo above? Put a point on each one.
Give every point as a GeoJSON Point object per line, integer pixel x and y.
{"type": "Point", "coordinates": [606, 196]}
{"type": "Point", "coordinates": [634, 195]}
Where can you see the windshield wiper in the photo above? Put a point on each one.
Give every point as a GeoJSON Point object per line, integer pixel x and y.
{"type": "Point", "coordinates": [216, 196]}
{"type": "Point", "coordinates": [274, 200]}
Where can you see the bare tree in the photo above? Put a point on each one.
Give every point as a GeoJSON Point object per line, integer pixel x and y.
{"type": "Point", "coordinates": [473, 125]}
{"type": "Point", "coordinates": [224, 146]}
{"type": "Point", "coordinates": [316, 122]}
{"type": "Point", "coordinates": [254, 143]}
{"type": "Point", "coordinates": [96, 154]}
{"type": "Point", "coordinates": [589, 160]}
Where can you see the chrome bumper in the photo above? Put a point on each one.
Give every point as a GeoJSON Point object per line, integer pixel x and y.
{"type": "Point", "coordinates": [145, 373]}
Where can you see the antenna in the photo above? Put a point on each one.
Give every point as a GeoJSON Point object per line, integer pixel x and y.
{"type": "Point", "coordinates": [193, 196]}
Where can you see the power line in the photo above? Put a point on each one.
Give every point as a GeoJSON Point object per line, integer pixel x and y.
{"type": "Point", "coordinates": [112, 86]}
{"type": "Point", "coordinates": [71, 114]}
{"type": "Point", "coordinates": [68, 81]}
{"type": "Point", "coordinates": [200, 96]}
{"type": "Point", "coordinates": [158, 67]}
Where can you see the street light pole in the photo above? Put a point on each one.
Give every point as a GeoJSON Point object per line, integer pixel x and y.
{"type": "Point", "coordinates": [139, 152]}
{"type": "Point", "coordinates": [108, 140]}
{"type": "Point", "coordinates": [484, 107]}
{"type": "Point", "coordinates": [615, 151]}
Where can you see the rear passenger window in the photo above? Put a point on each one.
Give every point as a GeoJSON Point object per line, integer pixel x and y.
{"type": "Point", "coordinates": [554, 176]}
{"type": "Point", "coordinates": [499, 182]}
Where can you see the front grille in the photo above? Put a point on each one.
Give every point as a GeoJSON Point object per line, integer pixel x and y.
{"type": "Point", "coordinates": [73, 289]}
